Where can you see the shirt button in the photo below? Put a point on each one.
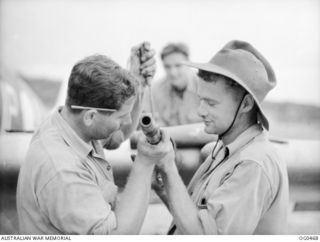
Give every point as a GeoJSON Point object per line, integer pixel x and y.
{"type": "Point", "coordinates": [108, 167]}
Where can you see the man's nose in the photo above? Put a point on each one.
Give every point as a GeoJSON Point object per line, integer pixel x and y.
{"type": "Point", "coordinates": [173, 72]}
{"type": "Point", "coordinates": [202, 110]}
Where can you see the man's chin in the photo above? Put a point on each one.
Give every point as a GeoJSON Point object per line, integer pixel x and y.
{"type": "Point", "coordinates": [209, 129]}
{"type": "Point", "coordinates": [114, 141]}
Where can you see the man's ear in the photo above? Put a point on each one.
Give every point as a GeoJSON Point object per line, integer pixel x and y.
{"type": "Point", "coordinates": [89, 116]}
{"type": "Point", "coordinates": [247, 103]}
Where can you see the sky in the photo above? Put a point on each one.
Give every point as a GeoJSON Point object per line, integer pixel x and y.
{"type": "Point", "coordinates": [49, 36]}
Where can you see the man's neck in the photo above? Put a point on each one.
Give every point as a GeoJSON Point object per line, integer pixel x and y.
{"type": "Point", "coordinates": [235, 132]}
{"type": "Point", "coordinates": [70, 119]}
{"type": "Point", "coordinates": [179, 90]}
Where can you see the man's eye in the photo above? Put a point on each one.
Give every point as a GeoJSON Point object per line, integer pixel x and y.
{"type": "Point", "coordinates": [208, 102]}
{"type": "Point", "coordinates": [211, 104]}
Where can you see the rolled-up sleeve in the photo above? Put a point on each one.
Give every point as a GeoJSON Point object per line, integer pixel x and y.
{"type": "Point", "coordinates": [74, 204]}
{"type": "Point", "coordinates": [238, 204]}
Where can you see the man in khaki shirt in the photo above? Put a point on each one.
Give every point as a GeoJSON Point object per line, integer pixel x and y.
{"type": "Point", "coordinates": [242, 187]}
{"type": "Point", "coordinates": [66, 184]}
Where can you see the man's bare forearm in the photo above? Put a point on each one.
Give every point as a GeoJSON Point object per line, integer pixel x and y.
{"type": "Point", "coordinates": [184, 211]}
{"type": "Point", "coordinates": [132, 206]}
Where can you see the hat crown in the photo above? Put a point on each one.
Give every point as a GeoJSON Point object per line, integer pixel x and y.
{"type": "Point", "coordinates": [246, 67]}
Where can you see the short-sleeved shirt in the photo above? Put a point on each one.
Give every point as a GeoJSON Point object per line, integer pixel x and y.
{"type": "Point", "coordinates": [170, 107]}
{"type": "Point", "coordinates": [65, 185]}
{"type": "Point", "coordinates": [242, 188]}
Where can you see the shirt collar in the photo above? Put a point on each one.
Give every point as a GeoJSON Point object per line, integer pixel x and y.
{"type": "Point", "coordinates": [244, 138]}
{"type": "Point", "coordinates": [97, 149]}
{"type": "Point", "coordinates": [70, 136]}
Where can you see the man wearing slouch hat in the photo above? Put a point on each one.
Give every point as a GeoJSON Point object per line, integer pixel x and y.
{"type": "Point", "coordinates": [242, 187]}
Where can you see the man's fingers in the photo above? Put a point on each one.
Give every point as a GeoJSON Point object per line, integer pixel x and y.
{"type": "Point", "coordinates": [141, 138]}
{"type": "Point", "coordinates": [147, 55]}
{"type": "Point", "coordinates": [138, 50]}
{"type": "Point", "coordinates": [146, 45]}
{"type": "Point", "coordinates": [143, 51]}
{"type": "Point", "coordinates": [147, 63]}
{"type": "Point", "coordinates": [164, 136]}
{"type": "Point", "coordinates": [149, 71]}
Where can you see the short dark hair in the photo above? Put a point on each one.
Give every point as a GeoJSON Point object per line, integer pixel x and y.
{"type": "Point", "coordinates": [175, 48]}
{"type": "Point", "coordinates": [97, 81]}
{"type": "Point", "coordinates": [233, 86]}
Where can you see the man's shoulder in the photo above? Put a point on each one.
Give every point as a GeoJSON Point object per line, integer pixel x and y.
{"type": "Point", "coordinates": [263, 153]}
{"type": "Point", "coordinates": [47, 156]}
{"type": "Point", "coordinates": [260, 148]}
{"type": "Point", "coordinates": [48, 148]}
{"type": "Point", "coordinates": [193, 82]}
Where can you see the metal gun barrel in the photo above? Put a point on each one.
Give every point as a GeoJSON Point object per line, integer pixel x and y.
{"type": "Point", "coordinates": [149, 128]}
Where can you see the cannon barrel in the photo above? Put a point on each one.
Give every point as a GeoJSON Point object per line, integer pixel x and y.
{"type": "Point", "coordinates": [185, 136]}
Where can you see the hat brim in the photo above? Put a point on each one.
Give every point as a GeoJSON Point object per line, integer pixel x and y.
{"type": "Point", "coordinates": [219, 70]}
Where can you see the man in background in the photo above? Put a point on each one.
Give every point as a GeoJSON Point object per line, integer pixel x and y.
{"type": "Point", "coordinates": [174, 96]}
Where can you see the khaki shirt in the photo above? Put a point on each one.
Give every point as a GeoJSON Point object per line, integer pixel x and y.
{"type": "Point", "coordinates": [244, 190]}
{"type": "Point", "coordinates": [65, 185]}
{"type": "Point", "coordinates": [170, 108]}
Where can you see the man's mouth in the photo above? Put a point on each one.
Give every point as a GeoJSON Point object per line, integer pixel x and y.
{"type": "Point", "coordinates": [207, 122]}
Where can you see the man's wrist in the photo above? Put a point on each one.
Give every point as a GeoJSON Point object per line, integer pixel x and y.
{"type": "Point", "coordinates": [145, 161]}
{"type": "Point", "coordinates": [169, 168]}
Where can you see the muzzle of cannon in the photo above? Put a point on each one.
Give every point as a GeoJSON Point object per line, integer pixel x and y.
{"type": "Point", "coordinates": [150, 129]}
